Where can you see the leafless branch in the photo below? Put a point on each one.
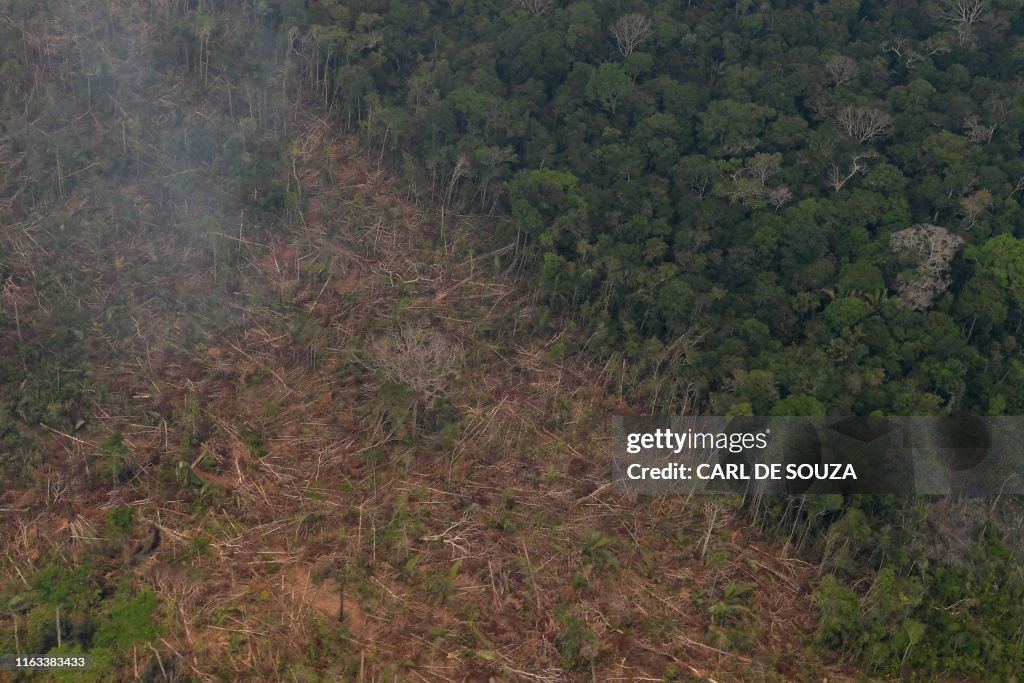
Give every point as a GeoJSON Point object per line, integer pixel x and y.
{"type": "Point", "coordinates": [841, 70]}
{"type": "Point", "coordinates": [864, 123]}
{"type": "Point", "coordinates": [1019, 186]}
{"type": "Point", "coordinates": [962, 15]}
{"type": "Point", "coordinates": [837, 177]}
{"type": "Point", "coordinates": [537, 7]}
{"type": "Point", "coordinates": [932, 247]}
{"type": "Point", "coordinates": [629, 31]}
{"type": "Point", "coordinates": [895, 46]}
{"type": "Point", "coordinates": [779, 196]}
{"type": "Point", "coordinates": [977, 132]}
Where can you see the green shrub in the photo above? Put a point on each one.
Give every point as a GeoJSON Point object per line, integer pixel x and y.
{"type": "Point", "coordinates": [115, 466]}
{"type": "Point", "coordinates": [577, 644]}
{"type": "Point", "coordinates": [440, 585]}
{"type": "Point", "coordinates": [114, 444]}
{"type": "Point", "coordinates": [601, 551]}
{"type": "Point", "coordinates": [254, 444]}
{"type": "Point", "coordinates": [120, 520]}
{"type": "Point", "coordinates": [840, 614]}
{"type": "Point", "coordinates": [129, 620]}
{"type": "Point", "coordinates": [730, 627]}
{"type": "Point", "coordinates": [72, 588]}
{"type": "Point", "coordinates": [199, 546]}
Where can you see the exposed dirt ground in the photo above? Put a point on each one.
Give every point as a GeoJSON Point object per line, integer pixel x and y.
{"type": "Point", "coordinates": [343, 544]}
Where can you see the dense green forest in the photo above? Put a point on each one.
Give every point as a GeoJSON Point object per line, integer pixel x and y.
{"type": "Point", "coordinates": [387, 363]}
{"type": "Point", "coordinates": [730, 194]}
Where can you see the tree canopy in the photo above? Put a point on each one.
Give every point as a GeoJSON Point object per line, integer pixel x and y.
{"type": "Point", "coordinates": [731, 172]}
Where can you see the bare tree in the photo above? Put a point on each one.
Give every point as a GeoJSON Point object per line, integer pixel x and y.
{"type": "Point", "coordinates": [697, 173]}
{"type": "Point", "coordinates": [538, 7]}
{"type": "Point", "coordinates": [9, 291]}
{"type": "Point", "coordinates": [999, 107]}
{"type": "Point", "coordinates": [895, 46]}
{"type": "Point", "coordinates": [898, 46]}
{"type": "Point", "coordinates": [936, 45]}
{"type": "Point", "coordinates": [629, 31]}
{"type": "Point", "coordinates": [912, 59]}
{"type": "Point", "coordinates": [712, 512]}
{"type": "Point", "coordinates": [1019, 186]}
{"type": "Point", "coordinates": [699, 184]}
{"type": "Point", "coordinates": [419, 358]}
{"type": "Point", "coordinates": [864, 123]}
{"type": "Point", "coordinates": [962, 15]}
{"type": "Point", "coordinates": [739, 147]}
{"type": "Point", "coordinates": [837, 177]}
{"type": "Point", "coordinates": [974, 205]}
{"type": "Point", "coordinates": [841, 69]}
{"type": "Point", "coordinates": [764, 166]}
{"type": "Point", "coordinates": [779, 196]}
{"type": "Point", "coordinates": [932, 249]}
{"type": "Point", "coordinates": [978, 132]}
